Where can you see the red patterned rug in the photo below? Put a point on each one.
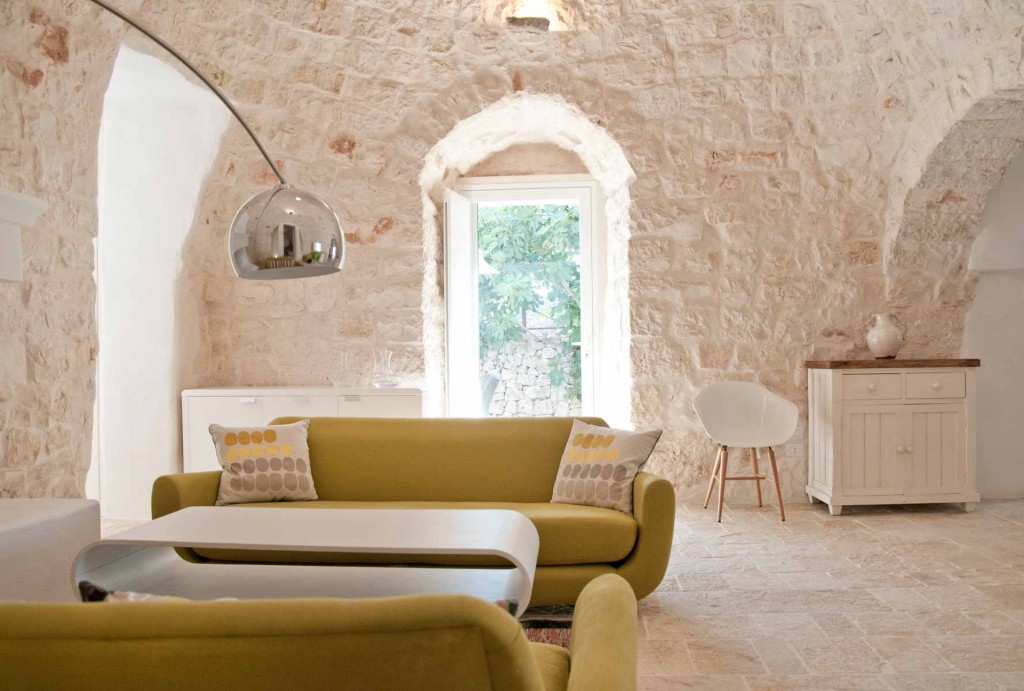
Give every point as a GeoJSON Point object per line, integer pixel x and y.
{"type": "Point", "coordinates": [552, 624]}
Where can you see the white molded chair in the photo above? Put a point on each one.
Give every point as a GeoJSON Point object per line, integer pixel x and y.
{"type": "Point", "coordinates": [746, 416]}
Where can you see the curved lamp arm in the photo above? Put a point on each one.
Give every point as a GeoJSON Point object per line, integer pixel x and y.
{"type": "Point", "coordinates": [192, 68]}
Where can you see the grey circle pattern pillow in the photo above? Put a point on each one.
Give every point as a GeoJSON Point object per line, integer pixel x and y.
{"type": "Point", "coordinates": [269, 463]}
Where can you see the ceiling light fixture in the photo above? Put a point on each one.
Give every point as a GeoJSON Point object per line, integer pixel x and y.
{"type": "Point", "coordinates": [268, 241]}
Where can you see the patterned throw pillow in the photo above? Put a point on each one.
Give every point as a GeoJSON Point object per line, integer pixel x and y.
{"type": "Point", "coordinates": [268, 463]}
{"type": "Point", "coordinates": [599, 464]}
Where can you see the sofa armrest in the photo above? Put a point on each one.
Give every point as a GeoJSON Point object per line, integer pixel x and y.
{"type": "Point", "coordinates": [654, 508]}
{"type": "Point", "coordinates": [175, 492]}
{"type": "Point", "coordinates": [602, 654]}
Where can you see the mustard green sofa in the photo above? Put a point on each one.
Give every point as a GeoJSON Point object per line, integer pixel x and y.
{"type": "Point", "coordinates": [507, 463]}
{"type": "Point", "coordinates": [451, 642]}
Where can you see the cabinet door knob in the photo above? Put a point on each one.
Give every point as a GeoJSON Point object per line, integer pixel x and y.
{"type": "Point", "coordinates": [936, 385]}
{"type": "Point", "coordinates": [901, 449]}
{"type": "Point", "coordinates": [872, 387]}
{"type": "Point", "coordinates": [910, 449]}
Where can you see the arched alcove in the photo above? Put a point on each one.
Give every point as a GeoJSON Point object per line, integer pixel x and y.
{"type": "Point", "coordinates": [159, 135]}
{"type": "Point", "coordinates": [522, 119]}
{"type": "Point", "coordinates": [928, 278]}
{"type": "Point", "coordinates": [994, 332]}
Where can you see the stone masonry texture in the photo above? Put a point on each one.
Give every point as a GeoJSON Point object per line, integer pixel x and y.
{"type": "Point", "coordinates": [799, 166]}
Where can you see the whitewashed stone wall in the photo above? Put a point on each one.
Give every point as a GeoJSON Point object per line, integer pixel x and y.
{"type": "Point", "coordinates": [773, 143]}
{"type": "Point", "coordinates": [55, 62]}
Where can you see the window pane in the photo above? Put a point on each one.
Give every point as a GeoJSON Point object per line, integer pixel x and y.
{"type": "Point", "coordinates": [529, 292]}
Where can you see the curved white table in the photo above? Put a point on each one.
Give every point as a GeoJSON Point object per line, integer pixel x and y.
{"type": "Point", "coordinates": [142, 559]}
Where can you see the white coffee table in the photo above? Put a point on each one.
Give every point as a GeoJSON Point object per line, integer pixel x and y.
{"type": "Point", "coordinates": [142, 559]}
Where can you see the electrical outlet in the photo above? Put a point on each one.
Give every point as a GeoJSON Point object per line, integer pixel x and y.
{"type": "Point", "coordinates": [794, 450]}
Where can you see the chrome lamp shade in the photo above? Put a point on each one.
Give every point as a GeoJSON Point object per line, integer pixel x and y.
{"type": "Point", "coordinates": [285, 232]}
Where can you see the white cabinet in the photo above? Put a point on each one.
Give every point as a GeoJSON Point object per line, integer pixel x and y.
{"type": "Point", "coordinates": [891, 432]}
{"type": "Point", "coordinates": [247, 407]}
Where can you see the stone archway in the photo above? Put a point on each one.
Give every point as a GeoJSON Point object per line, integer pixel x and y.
{"type": "Point", "coordinates": [529, 118]}
{"type": "Point", "coordinates": [927, 262]}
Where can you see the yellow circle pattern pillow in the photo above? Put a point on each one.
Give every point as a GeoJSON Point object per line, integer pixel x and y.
{"type": "Point", "coordinates": [269, 463]}
{"type": "Point", "coordinates": [599, 465]}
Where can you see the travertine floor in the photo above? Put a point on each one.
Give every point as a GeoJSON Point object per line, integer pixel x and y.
{"type": "Point", "coordinates": [920, 597]}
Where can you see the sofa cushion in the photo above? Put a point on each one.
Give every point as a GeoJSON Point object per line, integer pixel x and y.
{"type": "Point", "coordinates": [436, 459]}
{"type": "Point", "coordinates": [269, 463]}
{"type": "Point", "coordinates": [553, 662]}
{"type": "Point", "coordinates": [569, 534]}
{"type": "Point", "coordinates": [599, 465]}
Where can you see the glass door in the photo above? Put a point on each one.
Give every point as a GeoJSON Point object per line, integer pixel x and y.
{"type": "Point", "coordinates": [519, 302]}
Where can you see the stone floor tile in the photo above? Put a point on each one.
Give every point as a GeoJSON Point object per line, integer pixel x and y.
{"type": "Point", "coordinates": [1008, 680]}
{"type": "Point", "coordinates": [663, 658]}
{"type": "Point", "coordinates": [904, 599]}
{"type": "Point", "coordinates": [697, 602]}
{"type": "Point", "coordinates": [940, 682]}
{"type": "Point", "coordinates": [732, 564]}
{"type": "Point", "coordinates": [909, 654]}
{"type": "Point", "coordinates": [948, 623]}
{"type": "Point", "coordinates": [788, 624]}
{"type": "Point", "coordinates": [996, 621]}
{"type": "Point", "coordinates": [836, 624]}
{"type": "Point", "coordinates": [733, 548]}
{"type": "Point", "coordinates": [983, 653]}
{"type": "Point", "coordinates": [956, 597]}
{"type": "Point", "coordinates": [858, 578]}
{"type": "Point", "coordinates": [920, 597]}
{"type": "Point", "coordinates": [671, 626]}
{"type": "Point", "coordinates": [778, 657]}
{"type": "Point", "coordinates": [818, 682]}
{"type": "Point", "coordinates": [725, 656]}
{"type": "Point", "coordinates": [755, 580]}
{"type": "Point", "coordinates": [887, 623]}
{"type": "Point", "coordinates": [811, 580]}
{"type": "Point", "coordinates": [985, 578]}
{"type": "Point", "coordinates": [1006, 596]}
{"type": "Point", "coordinates": [797, 548]}
{"type": "Point", "coordinates": [692, 682]}
{"type": "Point", "coordinates": [703, 581]}
{"type": "Point", "coordinates": [781, 563]}
{"type": "Point", "coordinates": [838, 656]}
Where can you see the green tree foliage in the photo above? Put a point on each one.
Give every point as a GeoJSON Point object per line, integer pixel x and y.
{"type": "Point", "coordinates": [535, 250]}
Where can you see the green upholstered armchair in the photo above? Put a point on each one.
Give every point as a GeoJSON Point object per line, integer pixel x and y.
{"type": "Point", "coordinates": [428, 642]}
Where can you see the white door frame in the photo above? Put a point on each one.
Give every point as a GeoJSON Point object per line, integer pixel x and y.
{"type": "Point", "coordinates": [461, 259]}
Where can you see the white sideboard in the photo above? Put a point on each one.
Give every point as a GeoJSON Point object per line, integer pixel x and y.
{"type": "Point", "coordinates": [243, 407]}
{"type": "Point", "coordinates": [891, 432]}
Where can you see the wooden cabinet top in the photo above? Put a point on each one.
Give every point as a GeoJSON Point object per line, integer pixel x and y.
{"type": "Point", "coordinates": [890, 364]}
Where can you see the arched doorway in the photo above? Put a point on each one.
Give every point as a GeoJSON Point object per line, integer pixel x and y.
{"type": "Point", "coordinates": [518, 119]}
{"type": "Point", "coordinates": [955, 271]}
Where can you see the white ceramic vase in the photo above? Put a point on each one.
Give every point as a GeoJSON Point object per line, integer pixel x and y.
{"type": "Point", "coordinates": [885, 337]}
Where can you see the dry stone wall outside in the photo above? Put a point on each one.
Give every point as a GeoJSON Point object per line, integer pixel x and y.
{"type": "Point", "coordinates": [523, 370]}
{"type": "Point", "coordinates": [773, 143]}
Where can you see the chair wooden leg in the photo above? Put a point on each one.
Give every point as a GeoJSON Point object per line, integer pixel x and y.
{"type": "Point", "coordinates": [722, 473]}
{"type": "Point", "coordinates": [775, 476]}
{"type": "Point", "coordinates": [757, 483]}
{"type": "Point", "coordinates": [714, 475]}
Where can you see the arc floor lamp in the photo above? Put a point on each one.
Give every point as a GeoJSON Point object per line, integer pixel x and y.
{"type": "Point", "coordinates": [283, 232]}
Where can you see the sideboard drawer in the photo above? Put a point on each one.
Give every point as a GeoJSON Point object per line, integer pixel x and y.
{"type": "Point", "coordinates": [299, 406]}
{"type": "Point", "coordinates": [871, 387]}
{"type": "Point", "coordinates": [936, 385]}
{"type": "Point", "coordinates": [380, 405]}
